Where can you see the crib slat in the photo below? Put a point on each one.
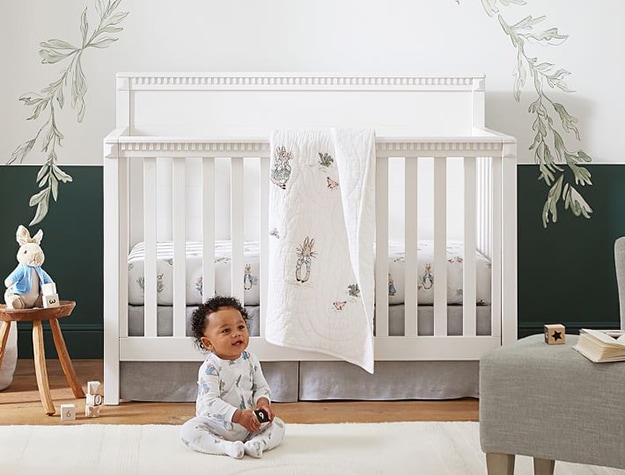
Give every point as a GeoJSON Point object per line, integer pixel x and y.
{"type": "Point", "coordinates": [135, 200]}
{"type": "Point", "coordinates": [440, 246]}
{"type": "Point", "coordinates": [180, 236]}
{"type": "Point", "coordinates": [496, 211]}
{"type": "Point", "coordinates": [264, 239]}
{"type": "Point", "coordinates": [469, 264]}
{"type": "Point", "coordinates": [485, 203]}
{"type": "Point", "coordinates": [381, 247]}
{"type": "Point", "coordinates": [410, 245]}
{"type": "Point", "coordinates": [237, 217]}
{"type": "Point", "coordinates": [208, 227]}
{"type": "Point", "coordinates": [124, 244]}
{"type": "Point", "coordinates": [149, 239]}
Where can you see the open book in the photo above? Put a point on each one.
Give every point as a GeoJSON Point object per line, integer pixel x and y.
{"type": "Point", "coordinates": [601, 346]}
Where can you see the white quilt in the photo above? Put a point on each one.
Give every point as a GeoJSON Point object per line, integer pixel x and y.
{"type": "Point", "coordinates": [322, 225]}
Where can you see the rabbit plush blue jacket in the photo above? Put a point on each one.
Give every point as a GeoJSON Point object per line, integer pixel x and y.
{"type": "Point", "coordinates": [22, 276]}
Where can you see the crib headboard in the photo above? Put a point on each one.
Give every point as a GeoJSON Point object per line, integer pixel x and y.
{"type": "Point", "coordinates": [253, 104]}
{"type": "Point", "coordinates": [189, 108]}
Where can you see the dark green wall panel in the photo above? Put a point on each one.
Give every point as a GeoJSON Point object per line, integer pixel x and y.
{"type": "Point", "coordinates": [73, 246]}
{"type": "Point", "coordinates": [566, 272]}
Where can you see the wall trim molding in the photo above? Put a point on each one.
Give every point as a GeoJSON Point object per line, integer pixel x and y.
{"type": "Point", "coordinates": [572, 328]}
{"type": "Point", "coordinates": [83, 340]}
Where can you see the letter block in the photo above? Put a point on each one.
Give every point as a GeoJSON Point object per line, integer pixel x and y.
{"type": "Point", "coordinates": [51, 300]}
{"type": "Point", "coordinates": [555, 334]}
{"type": "Point", "coordinates": [68, 412]}
{"type": "Point", "coordinates": [93, 399]}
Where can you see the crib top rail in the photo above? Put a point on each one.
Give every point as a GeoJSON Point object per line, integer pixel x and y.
{"type": "Point", "coordinates": [209, 110]}
{"type": "Point", "coordinates": [118, 143]}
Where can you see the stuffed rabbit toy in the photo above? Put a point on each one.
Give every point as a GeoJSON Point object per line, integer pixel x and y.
{"type": "Point", "coordinates": [25, 282]}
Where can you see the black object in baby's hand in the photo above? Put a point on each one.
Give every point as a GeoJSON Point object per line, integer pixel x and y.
{"type": "Point", "coordinates": [262, 415]}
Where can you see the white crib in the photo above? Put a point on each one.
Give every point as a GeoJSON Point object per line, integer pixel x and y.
{"type": "Point", "coordinates": [189, 161]}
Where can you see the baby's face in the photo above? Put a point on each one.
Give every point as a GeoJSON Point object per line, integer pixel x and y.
{"type": "Point", "coordinates": [226, 333]}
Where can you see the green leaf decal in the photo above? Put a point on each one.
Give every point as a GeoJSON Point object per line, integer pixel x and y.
{"type": "Point", "coordinates": [551, 152]}
{"type": "Point", "coordinates": [51, 97]}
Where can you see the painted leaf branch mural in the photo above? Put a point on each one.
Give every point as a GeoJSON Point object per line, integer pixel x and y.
{"type": "Point", "coordinates": [46, 103]}
{"type": "Point", "coordinates": [560, 168]}
{"type": "Point", "coordinates": [551, 119]}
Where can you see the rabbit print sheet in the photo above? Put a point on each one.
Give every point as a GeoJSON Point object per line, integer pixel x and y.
{"type": "Point", "coordinates": [165, 272]}
{"type": "Point", "coordinates": [322, 225]}
{"type": "Point", "coordinates": [426, 274]}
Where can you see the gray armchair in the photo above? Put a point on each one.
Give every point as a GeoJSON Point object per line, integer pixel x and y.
{"type": "Point", "coordinates": [619, 262]}
{"type": "Point", "coordinates": [551, 403]}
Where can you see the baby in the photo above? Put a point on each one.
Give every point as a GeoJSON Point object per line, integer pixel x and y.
{"type": "Point", "coordinates": [233, 400]}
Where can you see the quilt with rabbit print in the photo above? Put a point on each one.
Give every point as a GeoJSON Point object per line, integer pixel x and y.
{"type": "Point", "coordinates": [322, 225]}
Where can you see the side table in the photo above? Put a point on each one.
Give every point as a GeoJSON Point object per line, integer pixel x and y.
{"type": "Point", "coordinates": [37, 316]}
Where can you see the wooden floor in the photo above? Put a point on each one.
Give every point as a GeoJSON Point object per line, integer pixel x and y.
{"type": "Point", "coordinates": [20, 404]}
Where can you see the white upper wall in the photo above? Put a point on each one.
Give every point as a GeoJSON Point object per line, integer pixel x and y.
{"type": "Point", "coordinates": [415, 36]}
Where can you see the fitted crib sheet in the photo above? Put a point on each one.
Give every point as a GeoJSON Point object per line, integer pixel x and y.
{"type": "Point", "coordinates": [426, 274]}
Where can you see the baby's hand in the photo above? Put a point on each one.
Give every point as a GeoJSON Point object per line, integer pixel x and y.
{"type": "Point", "coordinates": [248, 419]}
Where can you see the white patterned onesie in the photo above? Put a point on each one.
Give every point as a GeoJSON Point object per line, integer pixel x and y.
{"type": "Point", "coordinates": [223, 387]}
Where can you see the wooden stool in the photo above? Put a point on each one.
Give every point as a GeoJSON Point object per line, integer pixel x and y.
{"type": "Point", "coordinates": [37, 316]}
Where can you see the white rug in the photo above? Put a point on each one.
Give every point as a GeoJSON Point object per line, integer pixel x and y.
{"type": "Point", "coordinates": [432, 448]}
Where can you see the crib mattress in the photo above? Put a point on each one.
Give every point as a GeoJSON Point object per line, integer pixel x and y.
{"type": "Point", "coordinates": [426, 274]}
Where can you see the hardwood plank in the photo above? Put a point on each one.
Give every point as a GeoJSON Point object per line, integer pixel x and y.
{"type": "Point", "coordinates": [20, 404]}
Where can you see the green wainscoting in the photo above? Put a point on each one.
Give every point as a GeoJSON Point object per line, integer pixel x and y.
{"type": "Point", "coordinates": [566, 272]}
{"type": "Point", "coordinates": [73, 246]}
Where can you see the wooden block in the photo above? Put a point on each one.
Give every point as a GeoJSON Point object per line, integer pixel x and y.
{"type": "Point", "coordinates": [555, 334]}
{"type": "Point", "coordinates": [92, 387]}
{"type": "Point", "coordinates": [50, 301]}
{"type": "Point", "coordinates": [68, 412]}
{"type": "Point", "coordinates": [48, 289]}
{"type": "Point", "coordinates": [92, 411]}
{"type": "Point", "coordinates": [94, 400]}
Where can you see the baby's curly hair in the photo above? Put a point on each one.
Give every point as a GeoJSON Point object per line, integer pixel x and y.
{"type": "Point", "coordinates": [199, 318]}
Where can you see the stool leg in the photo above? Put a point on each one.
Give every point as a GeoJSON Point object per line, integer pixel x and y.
{"type": "Point", "coordinates": [500, 464]}
{"type": "Point", "coordinates": [40, 368]}
{"type": "Point", "coordinates": [66, 362]}
{"type": "Point", "coordinates": [4, 337]}
{"type": "Point", "coordinates": [544, 466]}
